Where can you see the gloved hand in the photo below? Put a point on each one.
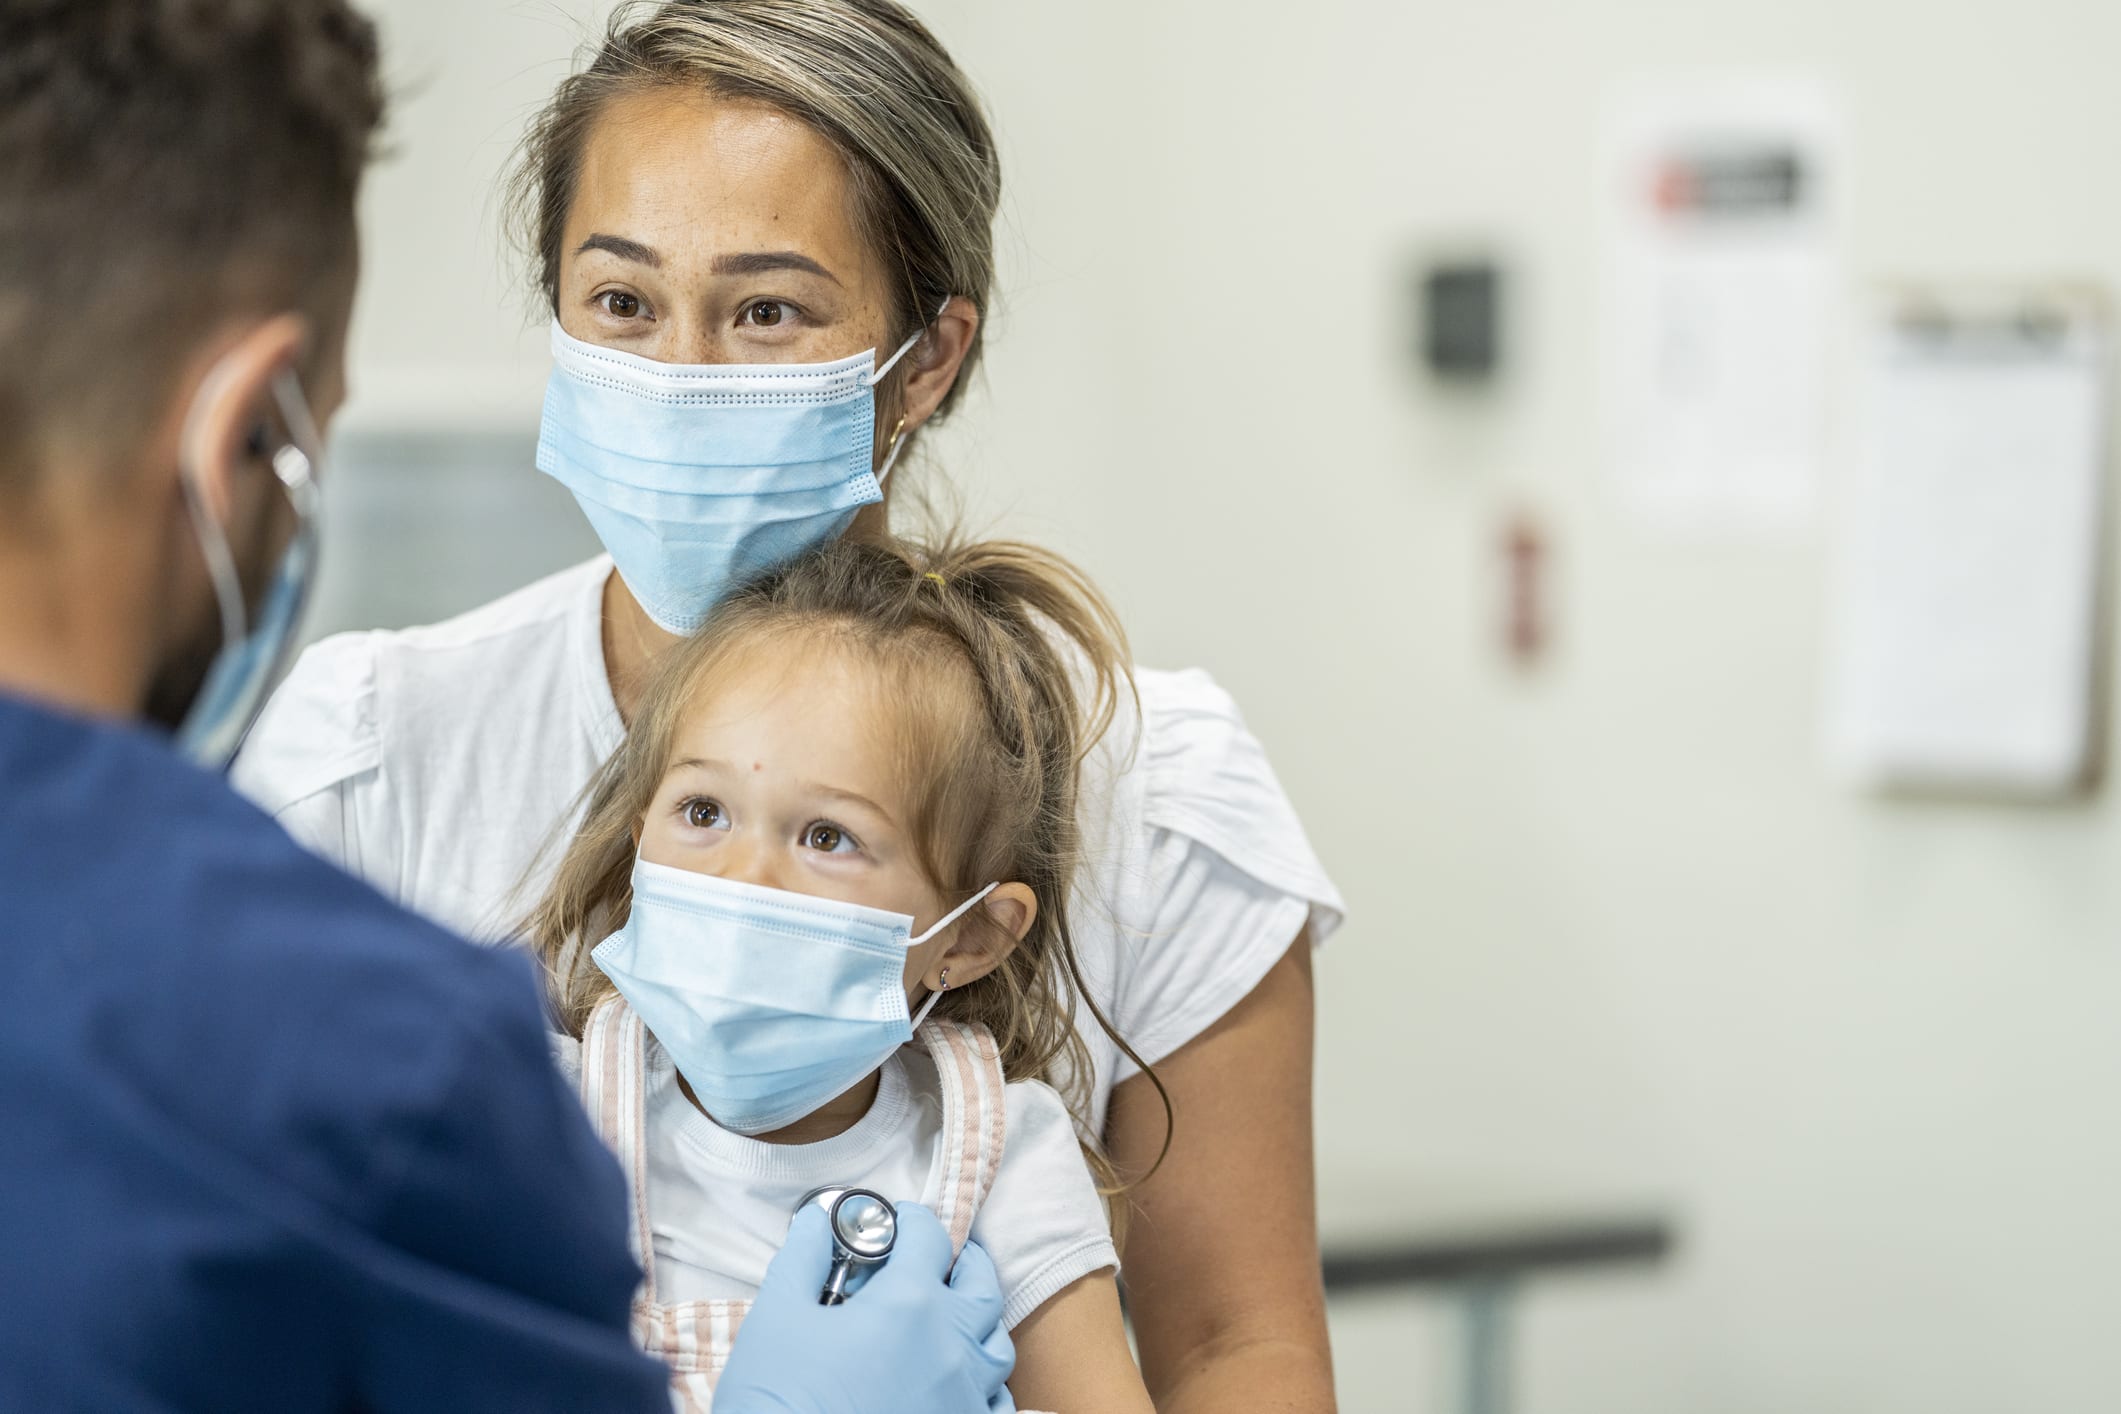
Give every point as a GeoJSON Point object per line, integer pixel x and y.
{"type": "Point", "coordinates": [909, 1341]}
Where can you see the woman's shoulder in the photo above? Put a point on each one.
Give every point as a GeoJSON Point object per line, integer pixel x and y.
{"type": "Point", "coordinates": [354, 698]}
{"type": "Point", "coordinates": [530, 632]}
{"type": "Point", "coordinates": [1181, 768]}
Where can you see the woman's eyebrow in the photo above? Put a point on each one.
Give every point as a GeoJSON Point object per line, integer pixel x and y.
{"type": "Point", "coordinates": [622, 248]}
{"type": "Point", "coordinates": [758, 262]}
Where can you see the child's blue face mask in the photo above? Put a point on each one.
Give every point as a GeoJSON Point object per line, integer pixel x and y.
{"type": "Point", "coordinates": [770, 1003]}
{"type": "Point", "coordinates": [696, 476]}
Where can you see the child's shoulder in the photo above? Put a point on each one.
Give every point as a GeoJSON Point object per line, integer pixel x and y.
{"type": "Point", "coordinates": [1031, 1103]}
{"type": "Point", "coordinates": [1044, 1221]}
{"type": "Point", "coordinates": [1034, 1102]}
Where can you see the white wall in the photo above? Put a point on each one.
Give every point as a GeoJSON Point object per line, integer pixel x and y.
{"type": "Point", "coordinates": [1614, 929]}
{"type": "Point", "coordinates": [444, 334]}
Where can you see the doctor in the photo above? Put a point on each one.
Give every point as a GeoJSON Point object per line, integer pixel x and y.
{"type": "Point", "coordinates": [267, 1142]}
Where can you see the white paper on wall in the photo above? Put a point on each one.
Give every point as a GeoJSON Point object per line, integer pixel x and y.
{"type": "Point", "coordinates": [1720, 285]}
{"type": "Point", "coordinates": [1964, 604]}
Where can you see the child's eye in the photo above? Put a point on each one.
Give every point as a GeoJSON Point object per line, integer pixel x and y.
{"type": "Point", "coordinates": [829, 839]}
{"type": "Point", "coordinates": [704, 814]}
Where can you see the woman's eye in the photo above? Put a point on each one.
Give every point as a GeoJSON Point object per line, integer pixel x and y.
{"type": "Point", "coordinates": [705, 815]}
{"type": "Point", "coordinates": [619, 304]}
{"type": "Point", "coordinates": [828, 839]}
{"type": "Point", "coordinates": [765, 313]}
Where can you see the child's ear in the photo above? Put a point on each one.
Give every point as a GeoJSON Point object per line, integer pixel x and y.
{"type": "Point", "coordinates": [1009, 913]}
{"type": "Point", "coordinates": [1013, 908]}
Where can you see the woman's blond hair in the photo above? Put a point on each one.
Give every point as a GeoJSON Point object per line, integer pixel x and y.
{"type": "Point", "coordinates": [999, 666]}
{"type": "Point", "coordinates": [865, 75]}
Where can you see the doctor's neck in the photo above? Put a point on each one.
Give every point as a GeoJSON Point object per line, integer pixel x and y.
{"type": "Point", "coordinates": [75, 633]}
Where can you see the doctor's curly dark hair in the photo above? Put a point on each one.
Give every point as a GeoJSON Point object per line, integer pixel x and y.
{"type": "Point", "coordinates": [165, 166]}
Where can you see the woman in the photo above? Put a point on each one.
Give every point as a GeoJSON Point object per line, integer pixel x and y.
{"type": "Point", "coordinates": [801, 183]}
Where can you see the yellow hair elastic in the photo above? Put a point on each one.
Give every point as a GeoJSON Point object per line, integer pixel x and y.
{"type": "Point", "coordinates": [937, 578]}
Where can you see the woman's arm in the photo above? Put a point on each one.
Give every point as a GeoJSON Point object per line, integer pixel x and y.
{"type": "Point", "coordinates": [1072, 1356]}
{"type": "Point", "coordinates": [1230, 1322]}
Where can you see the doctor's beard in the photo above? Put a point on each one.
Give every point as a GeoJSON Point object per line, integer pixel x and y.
{"type": "Point", "coordinates": [177, 681]}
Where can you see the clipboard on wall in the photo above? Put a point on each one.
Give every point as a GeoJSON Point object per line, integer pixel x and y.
{"type": "Point", "coordinates": [1965, 619]}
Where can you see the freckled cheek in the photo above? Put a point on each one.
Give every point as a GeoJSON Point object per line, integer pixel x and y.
{"type": "Point", "coordinates": [574, 317]}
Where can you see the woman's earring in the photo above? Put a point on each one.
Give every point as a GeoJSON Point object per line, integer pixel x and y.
{"type": "Point", "coordinates": [898, 439]}
{"type": "Point", "coordinates": [942, 981]}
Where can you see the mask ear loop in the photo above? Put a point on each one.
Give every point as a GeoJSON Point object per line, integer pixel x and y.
{"type": "Point", "coordinates": [941, 923]}
{"type": "Point", "coordinates": [933, 997]}
{"type": "Point", "coordinates": [898, 435]}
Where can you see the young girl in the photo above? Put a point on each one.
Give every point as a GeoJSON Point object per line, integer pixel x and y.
{"type": "Point", "coordinates": [846, 805]}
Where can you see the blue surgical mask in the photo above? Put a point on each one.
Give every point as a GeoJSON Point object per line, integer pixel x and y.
{"type": "Point", "coordinates": [696, 476]}
{"type": "Point", "coordinates": [253, 653]}
{"type": "Point", "coordinates": [770, 1003]}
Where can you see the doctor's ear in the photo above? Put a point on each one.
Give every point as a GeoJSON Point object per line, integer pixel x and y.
{"type": "Point", "coordinates": [1004, 916]}
{"type": "Point", "coordinates": [225, 431]}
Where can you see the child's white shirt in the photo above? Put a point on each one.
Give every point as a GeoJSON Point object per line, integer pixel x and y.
{"type": "Point", "coordinates": [719, 1203]}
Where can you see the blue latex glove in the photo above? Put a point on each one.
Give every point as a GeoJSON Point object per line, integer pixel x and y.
{"type": "Point", "coordinates": [917, 1338]}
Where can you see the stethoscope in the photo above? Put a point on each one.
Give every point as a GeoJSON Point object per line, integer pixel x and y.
{"type": "Point", "coordinates": [864, 1228]}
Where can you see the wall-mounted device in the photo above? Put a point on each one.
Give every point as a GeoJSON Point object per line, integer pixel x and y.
{"type": "Point", "coordinates": [1461, 320]}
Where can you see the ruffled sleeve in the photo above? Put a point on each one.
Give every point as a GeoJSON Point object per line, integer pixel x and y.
{"type": "Point", "coordinates": [314, 745]}
{"type": "Point", "coordinates": [1224, 880]}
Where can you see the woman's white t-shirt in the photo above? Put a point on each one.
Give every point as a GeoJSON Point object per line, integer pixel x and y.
{"type": "Point", "coordinates": [719, 1202]}
{"type": "Point", "coordinates": [446, 764]}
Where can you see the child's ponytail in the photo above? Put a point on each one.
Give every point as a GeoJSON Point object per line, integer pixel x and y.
{"type": "Point", "coordinates": [1033, 587]}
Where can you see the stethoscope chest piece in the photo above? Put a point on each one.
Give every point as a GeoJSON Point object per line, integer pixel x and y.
{"type": "Point", "coordinates": [864, 1229]}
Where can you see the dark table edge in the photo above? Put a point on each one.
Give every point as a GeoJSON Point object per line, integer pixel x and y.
{"type": "Point", "coordinates": [1351, 1267]}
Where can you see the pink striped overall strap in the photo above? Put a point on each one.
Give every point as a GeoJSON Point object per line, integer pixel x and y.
{"type": "Point", "coordinates": [975, 1120]}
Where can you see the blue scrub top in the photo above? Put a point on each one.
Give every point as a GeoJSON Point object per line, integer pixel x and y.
{"type": "Point", "coordinates": [268, 1142]}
